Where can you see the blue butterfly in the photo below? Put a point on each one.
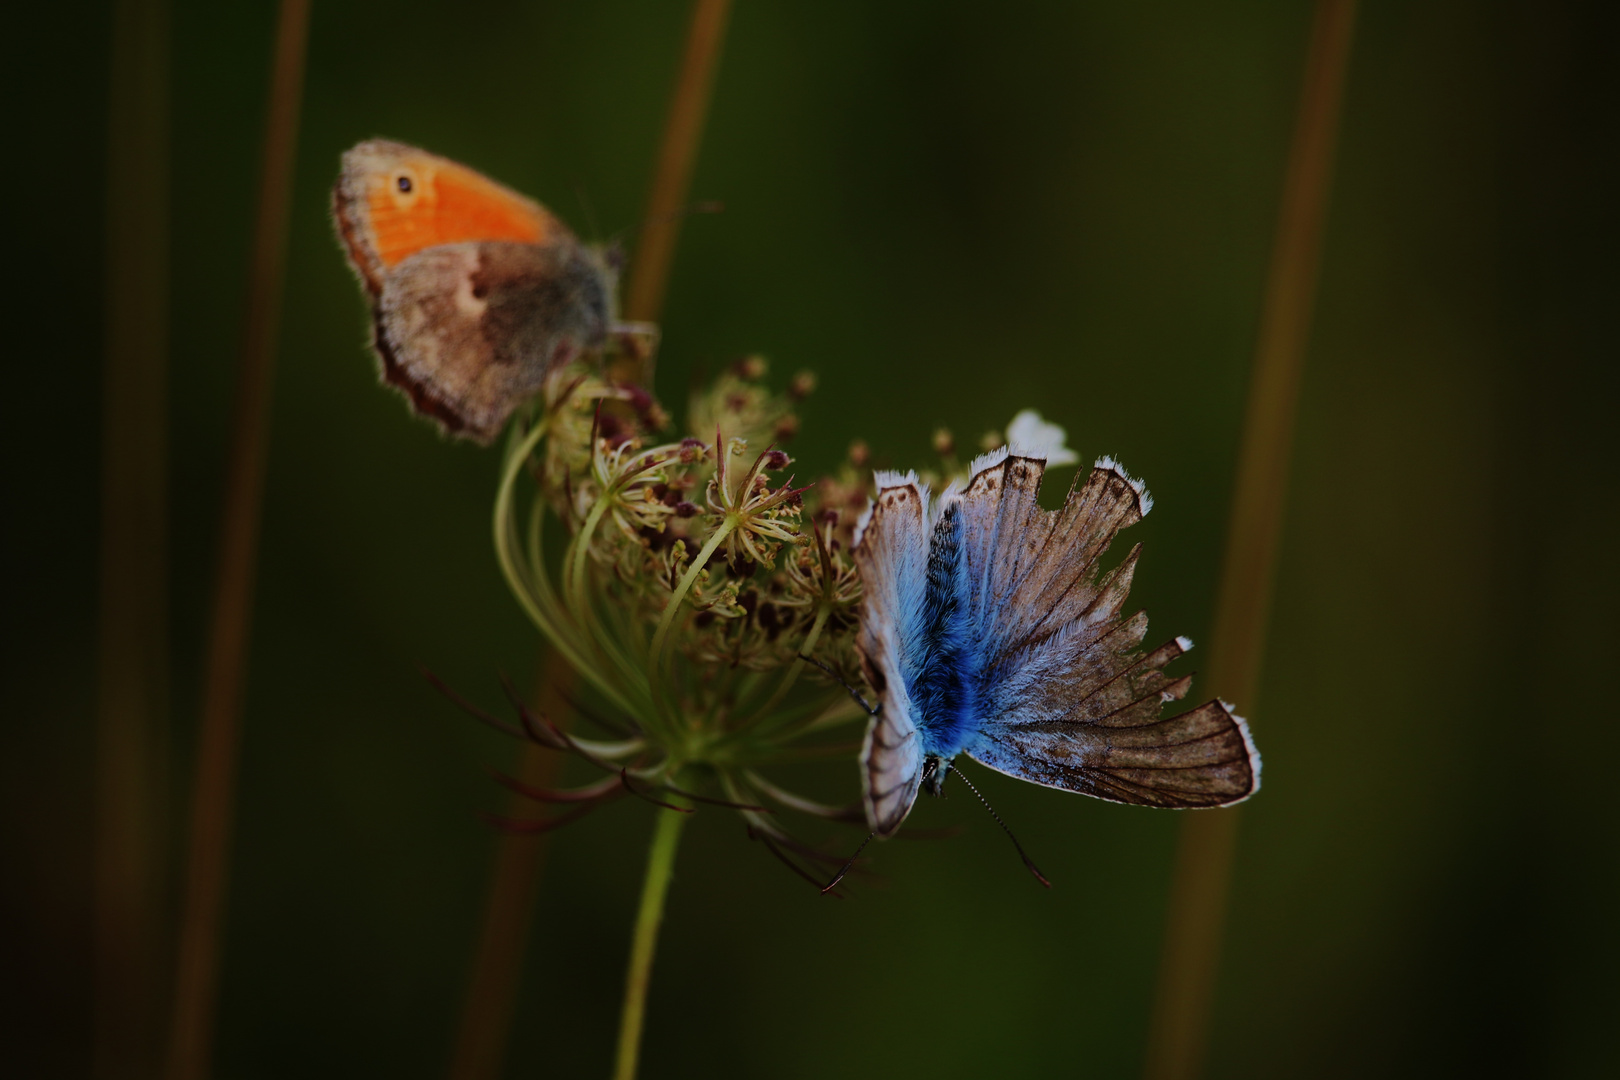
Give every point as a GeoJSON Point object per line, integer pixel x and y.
{"type": "Point", "coordinates": [990, 630]}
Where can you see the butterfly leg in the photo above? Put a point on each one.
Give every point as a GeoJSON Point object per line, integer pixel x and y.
{"type": "Point", "coordinates": [854, 693]}
{"type": "Point", "coordinates": [845, 869]}
{"type": "Point", "coordinates": [632, 349]}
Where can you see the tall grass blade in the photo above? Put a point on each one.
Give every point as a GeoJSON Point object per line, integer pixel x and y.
{"type": "Point", "coordinates": [677, 156]}
{"type": "Point", "coordinates": [497, 968]}
{"type": "Point", "coordinates": [213, 796]}
{"type": "Point", "coordinates": [1179, 1028]}
{"type": "Point", "coordinates": [132, 648]}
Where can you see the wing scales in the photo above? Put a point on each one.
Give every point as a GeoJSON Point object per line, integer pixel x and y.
{"type": "Point", "coordinates": [1068, 699]}
{"type": "Point", "coordinates": [1059, 584]}
{"type": "Point", "coordinates": [1002, 524]}
{"type": "Point", "coordinates": [1202, 758]}
{"type": "Point", "coordinates": [891, 551]}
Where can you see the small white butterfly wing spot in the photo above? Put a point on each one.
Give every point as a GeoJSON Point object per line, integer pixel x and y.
{"type": "Point", "coordinates": [891, 551]}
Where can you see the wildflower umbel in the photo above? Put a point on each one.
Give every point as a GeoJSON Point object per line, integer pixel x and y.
{"type": "Point", "coordinates": [690, 585]}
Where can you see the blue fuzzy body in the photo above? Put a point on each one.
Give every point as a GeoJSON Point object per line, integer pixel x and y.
{"type": "Point", "coordinates": [943, 681]}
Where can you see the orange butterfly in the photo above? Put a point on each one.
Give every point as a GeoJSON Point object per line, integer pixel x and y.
{"type": "Point", "coordinates": [476, 292]}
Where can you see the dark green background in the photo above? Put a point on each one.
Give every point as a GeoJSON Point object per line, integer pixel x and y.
{"type": "Point", "coordinates": [950, 211]}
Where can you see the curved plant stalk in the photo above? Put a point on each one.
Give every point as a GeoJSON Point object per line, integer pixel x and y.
{"type": "Point", "coordinates": [528, 582]}
{"type": "Point", "coordinates": [576, 561]}
{"type": "Point", "coordinates": [644, 941]}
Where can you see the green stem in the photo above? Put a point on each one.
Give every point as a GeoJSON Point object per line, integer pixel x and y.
{"type": "Point", "coordinates": [685, 586]}
{"type": "Point", "coordinates": [529, 583]}
{"type": "Point", "coordinates": [660, 862]}
{"type": "Point", "coordinates": [576, 574]}
{"type": "Point", "coordinates": [796, 666]}
{"type": "Point", "coordinates": [509, 475]}
{"type": "Point", "coordinates": [579, 552]}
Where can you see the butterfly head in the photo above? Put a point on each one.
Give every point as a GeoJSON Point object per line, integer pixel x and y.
{"type": "Point", "coordinates": [612, 256]}
{"type": "Point", "coordinates": [593, 277]}
{"type": "Point", "coordinates": [933, 774]}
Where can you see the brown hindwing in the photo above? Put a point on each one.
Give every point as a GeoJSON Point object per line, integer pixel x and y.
{"type": "Point", "coordinates": [469, 331]}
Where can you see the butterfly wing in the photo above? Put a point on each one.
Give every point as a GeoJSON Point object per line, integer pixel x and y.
{"type": "Point", "coordinates": [891, 552]}
{"type": "Point", "coordinates": [469, 331]}
{"type": "Point", "coordinates": [1067, 697]}
{"type": "Point", "coordinates": [392, 201]}
{"type": "Point", "coordinates": [476, 291]}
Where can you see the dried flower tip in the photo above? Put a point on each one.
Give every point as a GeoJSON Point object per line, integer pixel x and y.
{"type": "Point", "coordinates": [859, 455]}
{"type": "Point", "coordinates": [776, 459]}
{"type": "Point", "coordinates": [944, 442]}
{"type": "Point", "coordinates": [639, 399]}
{"type": "Point", "coordinates": [649, 413]}
{"type": "Point", "coordinates": [802, 386]}
{"type": "Point", "coordinates": [752, 368]}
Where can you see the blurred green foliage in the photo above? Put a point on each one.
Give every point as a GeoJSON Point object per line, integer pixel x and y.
{"type": "Point", "coordinates": [950, 211]}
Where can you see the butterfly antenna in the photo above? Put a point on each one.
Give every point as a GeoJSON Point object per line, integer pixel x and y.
{"type": "Point", "coordinates": [842, 870]}
{"type": "Point", "coordinates": [587, 206]}
{"type": "Point", "coordinates": [702, 206]}
{"type": "Point", "coordinates": [1029, 864]}
{"type": "Point", "coordinates": [854, 693]}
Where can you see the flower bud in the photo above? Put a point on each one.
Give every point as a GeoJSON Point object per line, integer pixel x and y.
{"type": "Point", "coordinates": [752, 368]}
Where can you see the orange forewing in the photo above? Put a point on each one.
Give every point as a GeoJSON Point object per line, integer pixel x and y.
{"type": "Point", "coordinates": [476, 292]}
{"type": "Point", "coordinates": [447, 204]}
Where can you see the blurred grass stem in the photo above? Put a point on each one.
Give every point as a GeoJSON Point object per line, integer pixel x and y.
{"type": "Point", "coordinates": [677, 155]}
{"type": "Point", "coordinates": [644, 943]}
{"type": "Point", "coordinates": [214, 781]}
{"type": "Point", "coordinates": [1179, 1028]}
{"type": "Point", "coordinates": [132, 647]}
{"type": "Point", "coordinates": [486, 1018]}
{"type": "Point", "coordinates": [486, 1015]}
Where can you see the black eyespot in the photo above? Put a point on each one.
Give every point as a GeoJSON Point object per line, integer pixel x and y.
{"type": "Point", "coordinates": [405, 184]}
